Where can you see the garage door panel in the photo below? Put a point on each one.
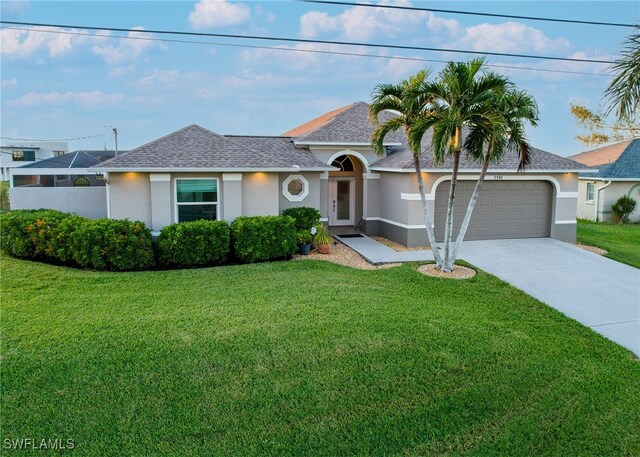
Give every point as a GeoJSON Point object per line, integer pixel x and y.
{"type": "Point", "coordinates": [505, 209]}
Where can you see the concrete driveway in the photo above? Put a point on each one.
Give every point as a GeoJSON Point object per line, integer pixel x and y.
{"type": "Point", "coordinates": [598, 292]}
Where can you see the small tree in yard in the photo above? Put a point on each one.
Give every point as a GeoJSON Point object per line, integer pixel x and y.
{"type": "Point", "coordinates": [484, 104]}
{"type": "Point", "coordinates": [405, 101]}
{"type": "Point", "coordinates": [622, 209]}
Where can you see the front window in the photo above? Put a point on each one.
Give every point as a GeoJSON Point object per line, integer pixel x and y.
{"type": "Point", "coordinates": [590, 191]}
{"type": "Point", "coordinates": [24, 156]}
{"type": "Point", "coordinates": [196, 199]}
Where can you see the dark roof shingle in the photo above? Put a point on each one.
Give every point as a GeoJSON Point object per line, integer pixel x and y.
{"type": "Point", "coordinates": [74, 159]}
{"type": "Point", "coordinates": [195, 147]}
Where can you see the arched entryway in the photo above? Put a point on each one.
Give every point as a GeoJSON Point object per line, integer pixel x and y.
{"type": "Point", "coordinates": [345, 191]}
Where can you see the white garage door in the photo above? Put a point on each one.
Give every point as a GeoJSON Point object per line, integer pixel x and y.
{"type": "Point", "coordinates": [505, 209]}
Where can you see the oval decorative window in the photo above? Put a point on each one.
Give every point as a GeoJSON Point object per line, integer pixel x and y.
{"type": "Point", "coordinates": [295, 188]}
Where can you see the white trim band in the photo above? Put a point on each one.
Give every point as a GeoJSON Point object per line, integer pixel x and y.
{"type": "Point", "coordinates": [159, 177]}
{"type": "Point", "coordinates": [231, 176]}
{"type": "Point", "coordinates": [566, 222]}
{"type": "Point", "coordinates": [371, 175]}
{"type": "Point", "coordinates": [399, 224]}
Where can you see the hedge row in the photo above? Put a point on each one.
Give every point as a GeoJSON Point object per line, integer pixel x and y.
{"type": "Point", "coordinates": [100, 244]}
{"type": "Point", "coordinates": [118, 245]}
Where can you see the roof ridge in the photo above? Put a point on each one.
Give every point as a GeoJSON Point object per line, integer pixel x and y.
{"type": "Point", "coordinates": [315, 119]}
{"type": "Point", "coordinates": [124, 154]}
{"type": "Point", "coordinates": [341, 114]}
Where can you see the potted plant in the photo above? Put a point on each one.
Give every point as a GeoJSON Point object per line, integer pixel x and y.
{"type": "Point", "coordinates": [322, 239]}
{"type": "Point", "coordinates": [304, 241]}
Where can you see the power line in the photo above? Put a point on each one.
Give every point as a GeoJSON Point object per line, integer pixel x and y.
{"type": "Point", "coordinates": [303, 40]}
{"type": "Point", "coordinates": [60, 139]}
{"type": "Point", "coordinates": [312, 51]}
{"type": "Point", "coordinates": [471, 13]}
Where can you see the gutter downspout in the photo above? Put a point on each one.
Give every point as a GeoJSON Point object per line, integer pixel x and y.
{"type": "Point", "coordinates": [597, 202]}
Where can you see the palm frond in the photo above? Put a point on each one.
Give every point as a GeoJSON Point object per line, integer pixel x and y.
{"type": "Point", "coordinates": [392, 125]}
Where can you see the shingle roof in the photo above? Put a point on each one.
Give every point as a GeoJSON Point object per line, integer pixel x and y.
{"type": "Point", "coordinates": [602, 155]}
{"type": "Point", "coordinates": [195, 147]}
{"type": "Point", "coordinates": [626, 166]}
{"type": "Point", "coordinates": [74, 159]}
{"type": "Point", "coordinates": [347, 125]}
{"type": "Point", "coordinates": [540, 160]}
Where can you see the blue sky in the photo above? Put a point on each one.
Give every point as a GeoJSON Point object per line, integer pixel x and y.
{"type": "Point", "coordinates": [63, 86]}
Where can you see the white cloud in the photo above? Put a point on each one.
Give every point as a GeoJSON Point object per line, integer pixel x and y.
{"type": "Point", "coordinates": [509, 37]}
{"type": "Point", "coordinates": [93, 99]}
{"type": "Point", "coordinates": [9, 83]}
{"type": "Point", "coordinates": [127, 50]}
{"type": "Point", "coordinates": [364, 23]}
{"type": "Point", "coordinates": [23, 43]}
{"type": "Point", "coordinates": [13, 6]}
{"type": "Point", "coordinates": [218, 13]}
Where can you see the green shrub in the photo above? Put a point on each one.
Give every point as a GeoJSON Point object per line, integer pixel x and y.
{"type": "Point", "coordinates": [261, 238]}
{"type": "Point", "coordinates": [31, 234]}
{"type": "Point", "coordinates": [194, 243]}
{"type": "Point", "coordinates": [304, 216]}
{"type": "Point", "coordinates": [111, 244]}
{"type": "Point", "coordinates": [4, 195]}
{"type": "Point", "coordinates": [622, 209]}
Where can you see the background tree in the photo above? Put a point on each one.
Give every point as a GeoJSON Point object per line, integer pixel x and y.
{"type": "Point", "coordinates": [623, 94]}
{"type": "Point", "coordinates": [598, 129]}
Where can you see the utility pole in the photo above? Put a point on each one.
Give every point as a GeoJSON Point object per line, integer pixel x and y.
{"type": "Point", "coordinates": [115, 134]}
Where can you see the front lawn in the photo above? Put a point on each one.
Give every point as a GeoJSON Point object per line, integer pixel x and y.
{"type": "Point", "coordinates": [621, 241]}
{"type": "Point", "coordinates": [304, 358]}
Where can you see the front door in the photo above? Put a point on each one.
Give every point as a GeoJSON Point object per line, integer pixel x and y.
{"type": "Point", "coordinates": [342, 201]}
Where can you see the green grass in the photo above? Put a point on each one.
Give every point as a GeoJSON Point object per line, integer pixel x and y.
{"type": "Point", "coordinates": [621, 241]}
{"type": "Point", "coordinates": [305, 358]}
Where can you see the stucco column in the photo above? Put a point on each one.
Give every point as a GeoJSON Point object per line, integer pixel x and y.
{"type": "Point", "coordinates": [160, 200]}
{"type": "Point", "coordinates": [231, 196]}
{"type": "Point", "coordinates": [324, 195]}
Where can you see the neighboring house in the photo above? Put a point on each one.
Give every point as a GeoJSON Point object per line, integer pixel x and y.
{"type": "Point", "coordinates": [328, 164]}
{"type": "Point", "coordinates": [618, 175]}
{"type": "Point", "coordinates": [17, 154]}
{"type": "Point", "coordinates": [64, 183]}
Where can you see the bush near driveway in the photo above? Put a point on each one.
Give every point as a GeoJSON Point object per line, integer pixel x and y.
{"type": "Point", "coordinates": [262, 238]}
{"type": "Point", "coordinates": [195, 243]}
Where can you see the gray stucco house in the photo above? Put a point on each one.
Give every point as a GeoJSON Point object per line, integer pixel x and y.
{"type": "Point", "coordinates": [328, 163]}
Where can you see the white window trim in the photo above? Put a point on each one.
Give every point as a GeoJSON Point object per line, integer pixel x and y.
{"type": "Point", "coordinates": [175, 197]}
{"type": "Point", "coordinates": [586, 197]}
{"type": "Point", "coordinates": [288, 195]}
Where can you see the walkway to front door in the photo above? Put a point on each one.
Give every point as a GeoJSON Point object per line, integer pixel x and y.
{"type": "Point", "coordinates": [378, 253]}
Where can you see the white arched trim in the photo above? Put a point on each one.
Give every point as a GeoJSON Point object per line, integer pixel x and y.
{"type": "Point", "coordinates": [360, 157]}
{"type": "Point", "coordinates": [556, 184]}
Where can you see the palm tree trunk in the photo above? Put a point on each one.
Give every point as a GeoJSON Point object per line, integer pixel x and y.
{"type": "Point", "coordinates": [448, 229]}
{"type": "Point", "coordinates": [472, 205]}
{"type": "Point", "coordinates": [427, 216]}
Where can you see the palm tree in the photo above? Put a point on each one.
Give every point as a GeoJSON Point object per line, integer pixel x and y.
{"type": "Point", "coordinates": [489, 142]}
{"type": "Point", "coordinates": [404, 100]}
{"type": "Point", "coordinates": [624, 91]}
{"type": "Point", "coordinates": [462, 97]}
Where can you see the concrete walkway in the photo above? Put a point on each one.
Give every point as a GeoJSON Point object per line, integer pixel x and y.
{"type": "Point", "coordinates": [596, 291]}
{"type": "Point", "coordinates": [377, 253]}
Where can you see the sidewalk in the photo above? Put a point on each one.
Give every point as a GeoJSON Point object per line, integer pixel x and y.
{"type": "Point", "coordinates": [377, 253]}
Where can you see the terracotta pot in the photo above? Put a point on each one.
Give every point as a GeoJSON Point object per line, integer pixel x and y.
{"type": "Point", "coordinates": [324, 248]}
